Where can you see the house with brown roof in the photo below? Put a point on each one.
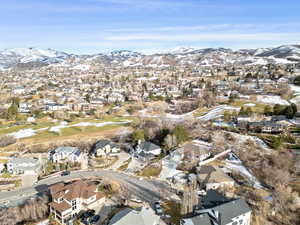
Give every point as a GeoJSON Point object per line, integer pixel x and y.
{"type": "Point", "coordinates": [71, 198]}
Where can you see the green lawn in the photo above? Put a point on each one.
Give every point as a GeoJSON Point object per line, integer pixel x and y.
{"type": "Point", "coordinates": [258, 108]}
{"type": "Point", "coordinates": [150, 171]}
{"type": "Point", "coordinates": [125, 165]}
{"type": "Point", "coordinates": [69, 130]}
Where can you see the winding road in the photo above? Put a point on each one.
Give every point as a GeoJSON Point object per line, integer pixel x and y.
{"type": "Point", "coordinates": [144, 189]}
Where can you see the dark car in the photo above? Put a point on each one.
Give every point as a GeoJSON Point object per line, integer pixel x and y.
{"type": "Point", "coordinates": [157, 208]}
{"type": "Point", "coordinates": [90, 212]}
{"type": "Point", "coordinates": [95, 219]}
{"type": "Point", "coordinates": [85, 221]}
{"type": "Point", "coordinates": [65, 173]}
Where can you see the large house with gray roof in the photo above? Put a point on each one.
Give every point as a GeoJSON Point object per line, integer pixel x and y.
{"type": "Point", "coordinates": [105, 148]}
{"type": "Point", "coordinates": [218, 210]}
{"type": "Point", "coordinates": [65, 153]}
{"type": "Point", "coordinates": [146, 151]}
{"type": "Point", "coordinates": [140, 216]}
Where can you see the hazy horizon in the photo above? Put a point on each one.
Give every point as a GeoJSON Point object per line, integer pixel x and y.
{"type": "Point", "coordinates": [93, 26]}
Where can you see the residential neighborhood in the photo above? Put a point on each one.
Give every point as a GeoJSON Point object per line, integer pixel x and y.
{"type": "Point", "coordinates": [160, 112]}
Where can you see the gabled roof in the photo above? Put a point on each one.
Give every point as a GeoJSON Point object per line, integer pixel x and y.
{"type": "Point", "coordinates": [141, 216]}
{"type": "Point", "coordinates": [148, 146]}
{"type": "Point", "coordinates": [101, 143]}
{"type": "Point", "coordinates": [67, 149]}
{"type": "Point", "coordinates": [77, 189]}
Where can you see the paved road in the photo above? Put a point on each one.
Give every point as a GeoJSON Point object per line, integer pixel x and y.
{"type": "Point", "coordinates": [146, 190]}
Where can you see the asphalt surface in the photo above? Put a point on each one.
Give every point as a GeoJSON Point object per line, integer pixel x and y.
{"type": "Point", "coordinates": [144, 189]}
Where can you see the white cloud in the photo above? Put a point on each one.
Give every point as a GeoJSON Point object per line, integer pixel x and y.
{"type": "Point", "coordinates": [293, 36]}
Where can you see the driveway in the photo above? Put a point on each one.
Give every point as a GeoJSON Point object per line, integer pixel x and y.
{"type": "Point", "coordinates": [122, 157]}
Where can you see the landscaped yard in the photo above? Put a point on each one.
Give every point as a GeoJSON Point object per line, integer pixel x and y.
{"type": "Point", "coordinates": [125, 165]}
{"type": "Point", "coordinates": [150, 171]}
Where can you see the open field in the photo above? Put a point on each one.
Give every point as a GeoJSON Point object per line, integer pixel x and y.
{"type": "Point", "coordinates": [80, 129]}
{"type": "Point", "coordinates": [258, 107]}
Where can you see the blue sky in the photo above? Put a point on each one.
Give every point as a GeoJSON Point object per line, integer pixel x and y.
{"type": "Point", "coordinates": [92, 26]}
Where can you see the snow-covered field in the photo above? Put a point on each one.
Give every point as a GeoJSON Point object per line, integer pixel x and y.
{"type": "Point", "coordinates": [271, 99]}
{"type": "Point", "coordinates": [24, 133]}
{"type": "Point", "coordinates": [217, 112]}
{"type": "Point", "coordinates": [145, 113]}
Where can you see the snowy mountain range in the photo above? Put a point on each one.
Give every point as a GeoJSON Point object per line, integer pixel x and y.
{"type": "Point", "coordinates": [32, 57]}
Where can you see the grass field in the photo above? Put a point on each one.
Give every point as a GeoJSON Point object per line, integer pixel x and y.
{"type": "Point", "coordinates": [258, 108]}
{"type": "Point", "coordinates": [67, 134]}
{"type": "Point", "coordinates": [64, 131]}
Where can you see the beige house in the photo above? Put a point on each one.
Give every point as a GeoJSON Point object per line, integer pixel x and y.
{"type": "Point", "coordinates": [69, 199]}
{"type": "Point", "coordinates": [212, 177]}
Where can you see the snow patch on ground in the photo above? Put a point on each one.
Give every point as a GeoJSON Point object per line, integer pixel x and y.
{"type": "Point", "coordinates": [295, 88]}
{"type": "Point", "coordinates": [242, 139]}
{"type": "Point", "coordinates": [271, 99]}
{"type": "Point", "coordinates": [144, 113]}
{"type": "Point", "coordinates": [217, 112]}
{"type": "Point", "coordinates": [236, 166]}
{"type": "Point", "coordinates": [249, 105]}
{"type": "Point", "coordinates": [82, 67]}
{"type": "Point", "coordinates": [24, 133]}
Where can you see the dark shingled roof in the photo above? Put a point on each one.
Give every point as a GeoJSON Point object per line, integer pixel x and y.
{"type": "Point", "coordinates": [212, 199]}
{"type": "Point", "coordinates": [231, 210]}
{"type": "Point", "coordinates": [148, 146]}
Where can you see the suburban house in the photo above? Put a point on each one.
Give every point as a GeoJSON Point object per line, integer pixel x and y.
{"type": "Point", "coordinates": [69, 199]}
{"type": "Point", "coordinates": [216, 209]}
{"type": "Point", "coordinates": [146, 150]}
{"type": "Point", "coordinates": [23, 166]}
{"type": "Point", "coordinates": [265, 127]}
{"type": "Point", "coordinates": [65, 153]}
{"type": "Point", "coordinates": [212, 177]}
{"type": "Point", "coordinates": [196, 151]}
{"type": "Point", "coordinates": [1, 167]}
{"type": "Point", "coordinates": [140, 216]}
{"type": "Point", "coordinates": [105, 148]}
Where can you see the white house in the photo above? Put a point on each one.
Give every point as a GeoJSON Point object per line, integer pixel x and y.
{"type": "Point", "coordinates": [23, 166]}
{"type": "Point", "coordinates": [1, 167]}
{"type": "Point", "coordinates": [65, 153]}
{"type": "Point", "coordinates": [105, 148]}
{"type": "Point", "coordinates": [218, 210]}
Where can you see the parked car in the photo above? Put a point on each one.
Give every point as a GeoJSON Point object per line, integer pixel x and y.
{"type": "Point", "coordinates": [157, 208]}
{"type": "Point", "coordinates": [65, 173]}
{"type": "Point", "coordinates": [95, 219]}
{"type": "Point", "coordinates": [90, 212]}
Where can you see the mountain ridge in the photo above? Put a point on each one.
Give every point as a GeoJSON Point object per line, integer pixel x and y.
{"type": "Point", "coordinates": [10, 58]}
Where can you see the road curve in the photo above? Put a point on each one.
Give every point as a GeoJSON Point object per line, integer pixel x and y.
{"type": "Point", "coordinates": [145, 189]}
